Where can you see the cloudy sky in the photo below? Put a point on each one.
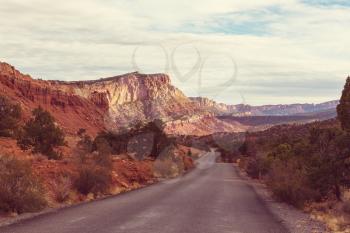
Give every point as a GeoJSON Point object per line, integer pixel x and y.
{"type": "Point", "coordinates": [251, 51]}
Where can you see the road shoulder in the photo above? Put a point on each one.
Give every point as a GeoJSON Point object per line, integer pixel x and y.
{"type": "Point", "coordinates": [295, 220]}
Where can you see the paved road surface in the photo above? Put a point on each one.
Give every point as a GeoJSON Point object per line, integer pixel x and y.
{"type": "Point", "coordinates": [210, 199]}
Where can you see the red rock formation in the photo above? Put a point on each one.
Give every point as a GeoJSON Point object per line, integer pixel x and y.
{"type": "Point", "coordinates": [111, 102]}
{"type": "Point", "coordinates": [71, 111]}
{"type": "Point", "coordinates": [134, 97]}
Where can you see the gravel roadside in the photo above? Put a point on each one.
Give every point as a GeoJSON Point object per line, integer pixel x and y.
{"type": "Point", "coordinates": [295, 220]}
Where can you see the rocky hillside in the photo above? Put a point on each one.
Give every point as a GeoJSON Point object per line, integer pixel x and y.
{"type": "Point", "coordinates": [109, 103]}
{"type": "Point", "coordinates": [203, 125]}
{"type": "Point", "coordinates": [123, 101]}
{"type": "Point", "coordinates": [134, 97]}
{"type": "Point", "coordinates": [71, 111]}
{"type": "Point", "coordinates": [214, 107]}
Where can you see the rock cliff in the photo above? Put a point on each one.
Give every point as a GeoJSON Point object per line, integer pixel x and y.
{"type": "Point", "coordinates": [109, 103]}
{"type": "Point", "coordinates": [125, 100]}
{"type": "Point", "coordinates": [71, 111]}
{"type": "Point", "coordinates": [134, 97]}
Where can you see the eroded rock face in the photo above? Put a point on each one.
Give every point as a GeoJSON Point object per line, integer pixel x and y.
{"type": "Point", "coordinates": [71, 111]}
{"type": "Point", "coordinates": [125, 100]}
{"type": "Point", "coordinates": [214, 107]}
{"type": "Point", "coordinates": [119, 101]}
{"type": "Point", "coordinates": [126, 88]}
{"type": "Point", "coordinates": [134, 97]}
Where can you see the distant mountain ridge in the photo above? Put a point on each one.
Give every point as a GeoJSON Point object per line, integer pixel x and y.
{"type": "Point", "coordinates": [264, 110]}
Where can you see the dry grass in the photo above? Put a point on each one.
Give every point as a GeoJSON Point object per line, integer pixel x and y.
{"type": "Point", "coordinates": [165, 168]}
{"type": "Point", "coordinates": [335, 214]}
{"type": "Point", "coordinates": [173, 162]}
{"type": "Point", "coordinates": [20, 190]}
{"type": "Point", "coordinates": [62, 188]}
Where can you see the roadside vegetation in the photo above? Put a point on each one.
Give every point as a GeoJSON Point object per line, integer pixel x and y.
{"type": "Point", "coordinates": [300, 163]}
{"type": "Point", "coordinates": [171, 163]}
{"type": "Point", "coordinates": [141, 141]}
{"type": "Point", "coordinates": [20, 190]}
{"type": "Point", "coordinates": [304, 164]}
{"type": "Point", "coordinates": [41, 168]}
{"type": "Point", "coordinates": [94, 167]}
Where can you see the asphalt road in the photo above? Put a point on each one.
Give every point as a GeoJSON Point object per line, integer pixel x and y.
{"type": "Point", "coordinates": [210, 199]}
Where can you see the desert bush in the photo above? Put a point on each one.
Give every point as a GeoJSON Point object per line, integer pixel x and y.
{"type": "Point", "coordinates": [93, 179]}
{"type": "Point", "coordinates": [10, 115]}
{"type": "Point", "coordinates": [41, 134]}
{"type": "Point", "coordinates": [289, 183]}
{"type": "Point", "coordinates": [188, 163]}
{"type": "Point", "coordinates": [84, 146]}
{"type": "Point", "coordinates": [165, 168]}
{"type": "Point", "coordinates": [258, 166]}
{"type": "Point", "coordinates": [62, 187]}
{"type": "Point", "coordinates": [103, 153]}
{"type": "Point", "coordinates": [20, 190]}
{"type": "Point", "coordinates": [252, 168]}
{"type": "Point", "coordinates": [94, 174]}
{"type": "Point", "coordinates": [170, 163]}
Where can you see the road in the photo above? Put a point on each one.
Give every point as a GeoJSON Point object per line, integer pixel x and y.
{"type": "Point", "coordinates": [210, 199]}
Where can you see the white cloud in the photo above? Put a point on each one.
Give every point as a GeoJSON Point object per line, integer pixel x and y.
{"type": "Point", "coordinates": [302, 50]}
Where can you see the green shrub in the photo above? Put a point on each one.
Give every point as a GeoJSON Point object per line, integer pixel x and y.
{"type": "Point", "coordinates": [329, 164]}
{"type": "Point", "coordinates": [41, 134]}
{"type": "Point", "coordinates": [10, 115]}
{"type": "Point", "coordinates": [20, 190]}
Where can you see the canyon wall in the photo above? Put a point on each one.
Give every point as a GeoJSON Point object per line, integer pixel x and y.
{"type": "Point", "coordinates": [122, 101]}
{"type": "Point", "coordinates": [96, 105]}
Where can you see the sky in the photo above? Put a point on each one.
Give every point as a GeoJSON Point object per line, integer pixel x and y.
{"type": "Point", "coordinates": [233, 51]}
